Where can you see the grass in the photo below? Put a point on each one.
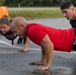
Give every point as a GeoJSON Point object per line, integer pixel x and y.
{"type": "Point", "coordinates": [35, 14]}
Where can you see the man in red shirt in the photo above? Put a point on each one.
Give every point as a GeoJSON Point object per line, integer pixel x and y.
{"type": "Point", "coordinates": [47, 37]}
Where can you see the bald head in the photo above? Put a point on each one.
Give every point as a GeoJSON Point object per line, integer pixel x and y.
{"type": "Point", "coordinates": [18, 21]}
{"type": "Point", "coordinates": [19, 26]}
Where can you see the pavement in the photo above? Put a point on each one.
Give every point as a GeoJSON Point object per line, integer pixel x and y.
{"type": "Point", "coordinates": [13, 62]}
{"type": "Point", "coordinates": [34, 8]}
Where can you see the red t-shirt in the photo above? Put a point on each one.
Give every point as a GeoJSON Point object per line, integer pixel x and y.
{"type": "Point", "coordinates": [62, 39]}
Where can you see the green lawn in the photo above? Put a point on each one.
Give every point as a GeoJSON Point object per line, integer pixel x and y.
{"type": "Point", "coordinates": [35, 14]}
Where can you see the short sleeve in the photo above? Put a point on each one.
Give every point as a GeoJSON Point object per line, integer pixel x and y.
{"type": "Point", "coordinates": [36, 36]}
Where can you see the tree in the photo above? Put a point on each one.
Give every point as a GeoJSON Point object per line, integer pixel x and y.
{"type": "Point", "coordinates": [47, 2]}
{"type": "Point", "coordinates": [2, 2]}
{"type": "Point", "coordinates": [55, 2]}
{"type": "Point", "coordinates": [74, 2]}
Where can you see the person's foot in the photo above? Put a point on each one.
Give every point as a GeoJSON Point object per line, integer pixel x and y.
{"type": "Point", "coordinates": [19, 41]}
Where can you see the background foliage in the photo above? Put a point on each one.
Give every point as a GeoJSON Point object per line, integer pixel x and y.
{"type": "Point", "coordinates": [32, 3]}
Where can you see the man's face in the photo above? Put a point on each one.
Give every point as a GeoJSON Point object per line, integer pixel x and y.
{"type": "Point", "coordinates": [19, 31]}
{"type": "Point", "coordinates": [68, 13]}
{"type": "Point", "coordinates": [4, 28]}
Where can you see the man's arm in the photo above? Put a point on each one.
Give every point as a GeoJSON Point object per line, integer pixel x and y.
{"type": "Point", "coordinates": [27, 43]}
{"type": "Point", "coordinates": [43, 58]}
{"type": "Point", "coordinates": [49, 52]}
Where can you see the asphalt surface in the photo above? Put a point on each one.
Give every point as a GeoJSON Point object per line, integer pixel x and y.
{"type": "Point", "coordinates": [33, 8]}
{"type": "Point", "coordinates": [13, 62]}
